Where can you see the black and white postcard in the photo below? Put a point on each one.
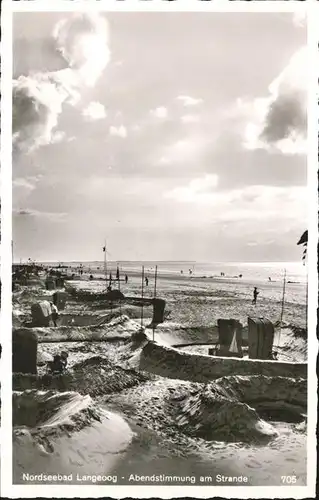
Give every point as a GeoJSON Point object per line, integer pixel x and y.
{"type": "Point", "coordinates": [160, 279]}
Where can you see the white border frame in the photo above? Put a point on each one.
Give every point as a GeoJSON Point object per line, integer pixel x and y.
{"type": "Point", "coordinates": [16, 491]}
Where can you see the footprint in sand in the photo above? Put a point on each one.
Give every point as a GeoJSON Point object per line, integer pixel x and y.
{"type": "Point", "coordinates": [253, 464]}
{"type": "Point", "coordinates": [75, 462]}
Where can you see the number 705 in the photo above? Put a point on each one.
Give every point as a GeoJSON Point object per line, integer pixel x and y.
{"type": "Point", "coordinates": [288, 479]}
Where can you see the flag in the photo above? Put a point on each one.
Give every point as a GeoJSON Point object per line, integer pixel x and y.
{"type": "Point", "coordinates": [303, 239]}
{"type": "Point", "coordinates": [304, 242]}
{"type": "Point", "coordinates": [104, 249]}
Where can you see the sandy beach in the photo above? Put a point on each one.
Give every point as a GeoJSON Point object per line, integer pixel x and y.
{"type": "Point", "coordinates": [161, 424]}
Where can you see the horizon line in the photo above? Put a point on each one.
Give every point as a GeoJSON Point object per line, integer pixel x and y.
{"type": "Point", "coordinates": [60, 261]}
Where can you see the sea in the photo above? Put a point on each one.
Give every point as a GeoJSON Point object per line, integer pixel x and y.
{"type": "Point", "coordinates": [256, 271]}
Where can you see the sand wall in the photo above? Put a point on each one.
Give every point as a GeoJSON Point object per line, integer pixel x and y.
{"type": "Point", "coordinates": [117, 328]}
{"type": "Point", "coordinates": [172, 363]}
{"type": "Point", "coordinates": [66, 434]}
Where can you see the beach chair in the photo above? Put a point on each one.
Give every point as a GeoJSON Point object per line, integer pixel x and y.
{"type": "Point", "coordinates": [59, 299]}
{"type": "Point", "coordinates": [260, 338]}
{"type": "Point", "coordinates": [158, 311]}
{"type": "Point", "coordinates": [50, 284]}
{"type": "Point", "coordinates": [230, 338]}
{"type": "Point", "coordinates": [24, 351]}
{"type": "Point", "coordinates": [41, 313]}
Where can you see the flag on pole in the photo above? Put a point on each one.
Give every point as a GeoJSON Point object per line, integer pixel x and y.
{"type": "Point", "coordinates": [303, 239]}
{"type": "Point", "coordinates": [104, 249]}
{"type": "Point", "coordinates": [304, 242]}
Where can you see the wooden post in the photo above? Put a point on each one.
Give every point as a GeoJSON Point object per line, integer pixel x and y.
{"type": "Point", "coordinates": [282, 306]}
{"type": "Point", "coordinates": [142, 308]}
{"type": "Point", "coordinates": [119, 286]}
{"type": "Point", "coordinates": [155, 283]}
{"type": "Point", "coordinates": [105, 264]}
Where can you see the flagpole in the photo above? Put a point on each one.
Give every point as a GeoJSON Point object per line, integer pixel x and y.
{"type": "Point", "coordinates": [304, 263]}
{"type": "Point", "coordinates": [155, 282]}
{"type": "Point", "coordinates": [119, 286]}
{"type": "Point", "coordinates": [142, 310]}
{"type": "Point", "coordinates": [110, 285]}
{"type": "Point", "coordinates": [282, 306]}
{"type": "Point", "coordinates": [105, 264]}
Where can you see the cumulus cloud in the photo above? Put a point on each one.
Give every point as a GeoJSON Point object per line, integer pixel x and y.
{"type": "Point", "coordinates": [52, 216]}
{"type": "Point", "coordinates": [37, 104]}
{"type": "Point", "coordinates": [38, 99]}
{"type": "Point", "coordinates": [189, 101]}
{"type": "Point", "coordinates": [183, 151]}
{"type": "Point", "coordinates": [83, 42]}
{"type": "Point", "coordinates": [190, 119]}
{"type": "Point", "coordinates": [118, 131]}
{"type": "Point", "coordinates": [58, 136]}
{"type": "Point", "coordinates": [255, 202]}
{"type": "Point", "coordinates": [23, 184]}
{"type": "Point", "coordinates": [23, 188]}
{"type": "Point", "coordinates": [94, 111]}
{"type": "Point", "coordinates": [160, 112]}
{"type": "Point", "coordinates": [198, 188]}
{"type": "Point", "coordinates": [279, 121]}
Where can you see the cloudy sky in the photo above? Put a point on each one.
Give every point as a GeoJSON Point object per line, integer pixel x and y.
{"type": "Point", "coordinates": [175, 136]}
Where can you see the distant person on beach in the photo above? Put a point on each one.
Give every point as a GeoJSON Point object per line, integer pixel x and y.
{"type": "Point", "coordinates": [182, 271]}
{"type": "Point", "coordinates": [126, 278]}
{"type": "Point", "coordinates": [146, 281]}
{"type": "Point", "coordinates": [255, 294]}
{"type": "Point", "coordinates": [269, 279]}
